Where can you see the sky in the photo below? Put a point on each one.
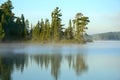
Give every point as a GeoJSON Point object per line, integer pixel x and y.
{"type": "Point", "coordinates": [104, 15]}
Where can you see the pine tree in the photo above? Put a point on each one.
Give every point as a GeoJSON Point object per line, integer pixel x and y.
{"type": "Point", "coordinates": [80, 23]}
{"type": "Point", "coordinates": [7, 19]}
{"type": "Point", "coordinates": [27, 29]}
{"type": "Point", "coordinates": [36, 32]}
{"type": "Point", "coordinates": [47, 30]}
{"type": "Point", "coordinates": [23, 27]}
{"type": "Point", "coordinates": [2, 34]}
{"type": "Point", "coordinates": [56, 24]}
{"type": "Point", "coordinates": [70, 30]}
{"type": "Point", "coordinates": [42, 31]}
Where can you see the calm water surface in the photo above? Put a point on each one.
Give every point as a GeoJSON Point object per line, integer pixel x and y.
{"type": "Point", "coordinates": [99, 60]}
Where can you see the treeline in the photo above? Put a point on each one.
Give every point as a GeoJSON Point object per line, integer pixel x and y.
{"type": "Point", "coordinates": [44, 31]}
{"type": "Point", "coordinates": [12, 27]}
{"type": "Point", "coordinates": [17, 28]}
{"type": "Point", "coordinates": [107, 36]}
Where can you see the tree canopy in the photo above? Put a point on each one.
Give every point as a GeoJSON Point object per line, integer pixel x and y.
{"type": "Point", "coordinates": [17, 28]}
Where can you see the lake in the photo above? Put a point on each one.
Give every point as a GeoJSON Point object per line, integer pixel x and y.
{"type": "Point", "coordinates": [99, 60]}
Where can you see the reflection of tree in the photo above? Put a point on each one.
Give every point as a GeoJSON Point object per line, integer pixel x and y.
{"type": "Point", "coordinates": [45, 59]}
{"type": "Point", "coordinates": [20, 60]}
{"type": "Point", "coordinates": [55, 65]}
{"type": "Point", "coordinates": [8, 62]}
{"type": "Point", "coordinates": [70, 59]}
{"type": "Point", "coordinates": [79, 64]}
{"type": "Point", "coordinates": [76, 62]}
{"type": "Point", "coordinates": [42, 59]}
{"type": "Point", "coordinates": [5, 68]}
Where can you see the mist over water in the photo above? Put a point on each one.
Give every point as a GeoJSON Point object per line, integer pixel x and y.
{"type": "Point", "coordinates": [92, 61]}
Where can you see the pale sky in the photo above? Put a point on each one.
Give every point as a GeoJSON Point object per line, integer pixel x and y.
{"type": "Point", "coordinates": [104, 15]}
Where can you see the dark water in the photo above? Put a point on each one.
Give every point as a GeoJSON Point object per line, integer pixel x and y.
{"type": "Point", "coordinates": [92, 61]}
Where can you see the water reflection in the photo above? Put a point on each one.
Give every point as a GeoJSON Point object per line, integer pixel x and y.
{"type": "Point", "coordinates": [11, 62]}
{"type": "Point", "coordinates": [76, 62]}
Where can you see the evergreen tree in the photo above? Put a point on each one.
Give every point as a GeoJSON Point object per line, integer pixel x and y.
{"type": "Point", "coordinates": [27, 29]}
{"type": "Point", "coordinates": [47, 30]}
{"type": "Point", "coordinates": [42, 30]}
{"type": "Point", "coordinates": [2, 34]}
{"type": "Point", "coordinates": [56, 24]}
{"type": "Point", "coordinates": [17, 28]}
{"type": "Point", "coordinates": [14, 27]}
{"type": "Point", "coordinates": [27, 25]}
{"type": "Point", "coordinates": [36, 32]}
{"type": "Point", "coordinates": [80, 23]}
{"type": "Point", "coordinates": [66, 34]}
{"type": "Point", "coordinates": [23, 27]}
{"type": "Point", "coordinates": [70, 30]}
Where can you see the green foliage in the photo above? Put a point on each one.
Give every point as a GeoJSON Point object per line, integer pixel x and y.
{"type": "Point", "coordinates": [69, 31]}
{"type": "Point", "coordinates": [13, 27]}
{"type": "Point", "coordinates": [47, 30]}
{"type": "Point", "coordinates": [42, 32]}
{"type": "Point", "coordinates": [36, 32]}
{"type": "Point", "coordinates": [17, 28]}
{"type": "Point", "coordinates": [56, 24]}
{"type": "Point", "coordinates": [54, 32]}
{"type": "Point", "coordinates": [2, 34]}
{"type": "Point", "coordinates": [80, 22]}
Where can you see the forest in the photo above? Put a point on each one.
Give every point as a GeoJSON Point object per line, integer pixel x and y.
{"type": "Point", "coordinates": [13, 28]}
{"type": "Point", "coordinates": [106, 36]}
